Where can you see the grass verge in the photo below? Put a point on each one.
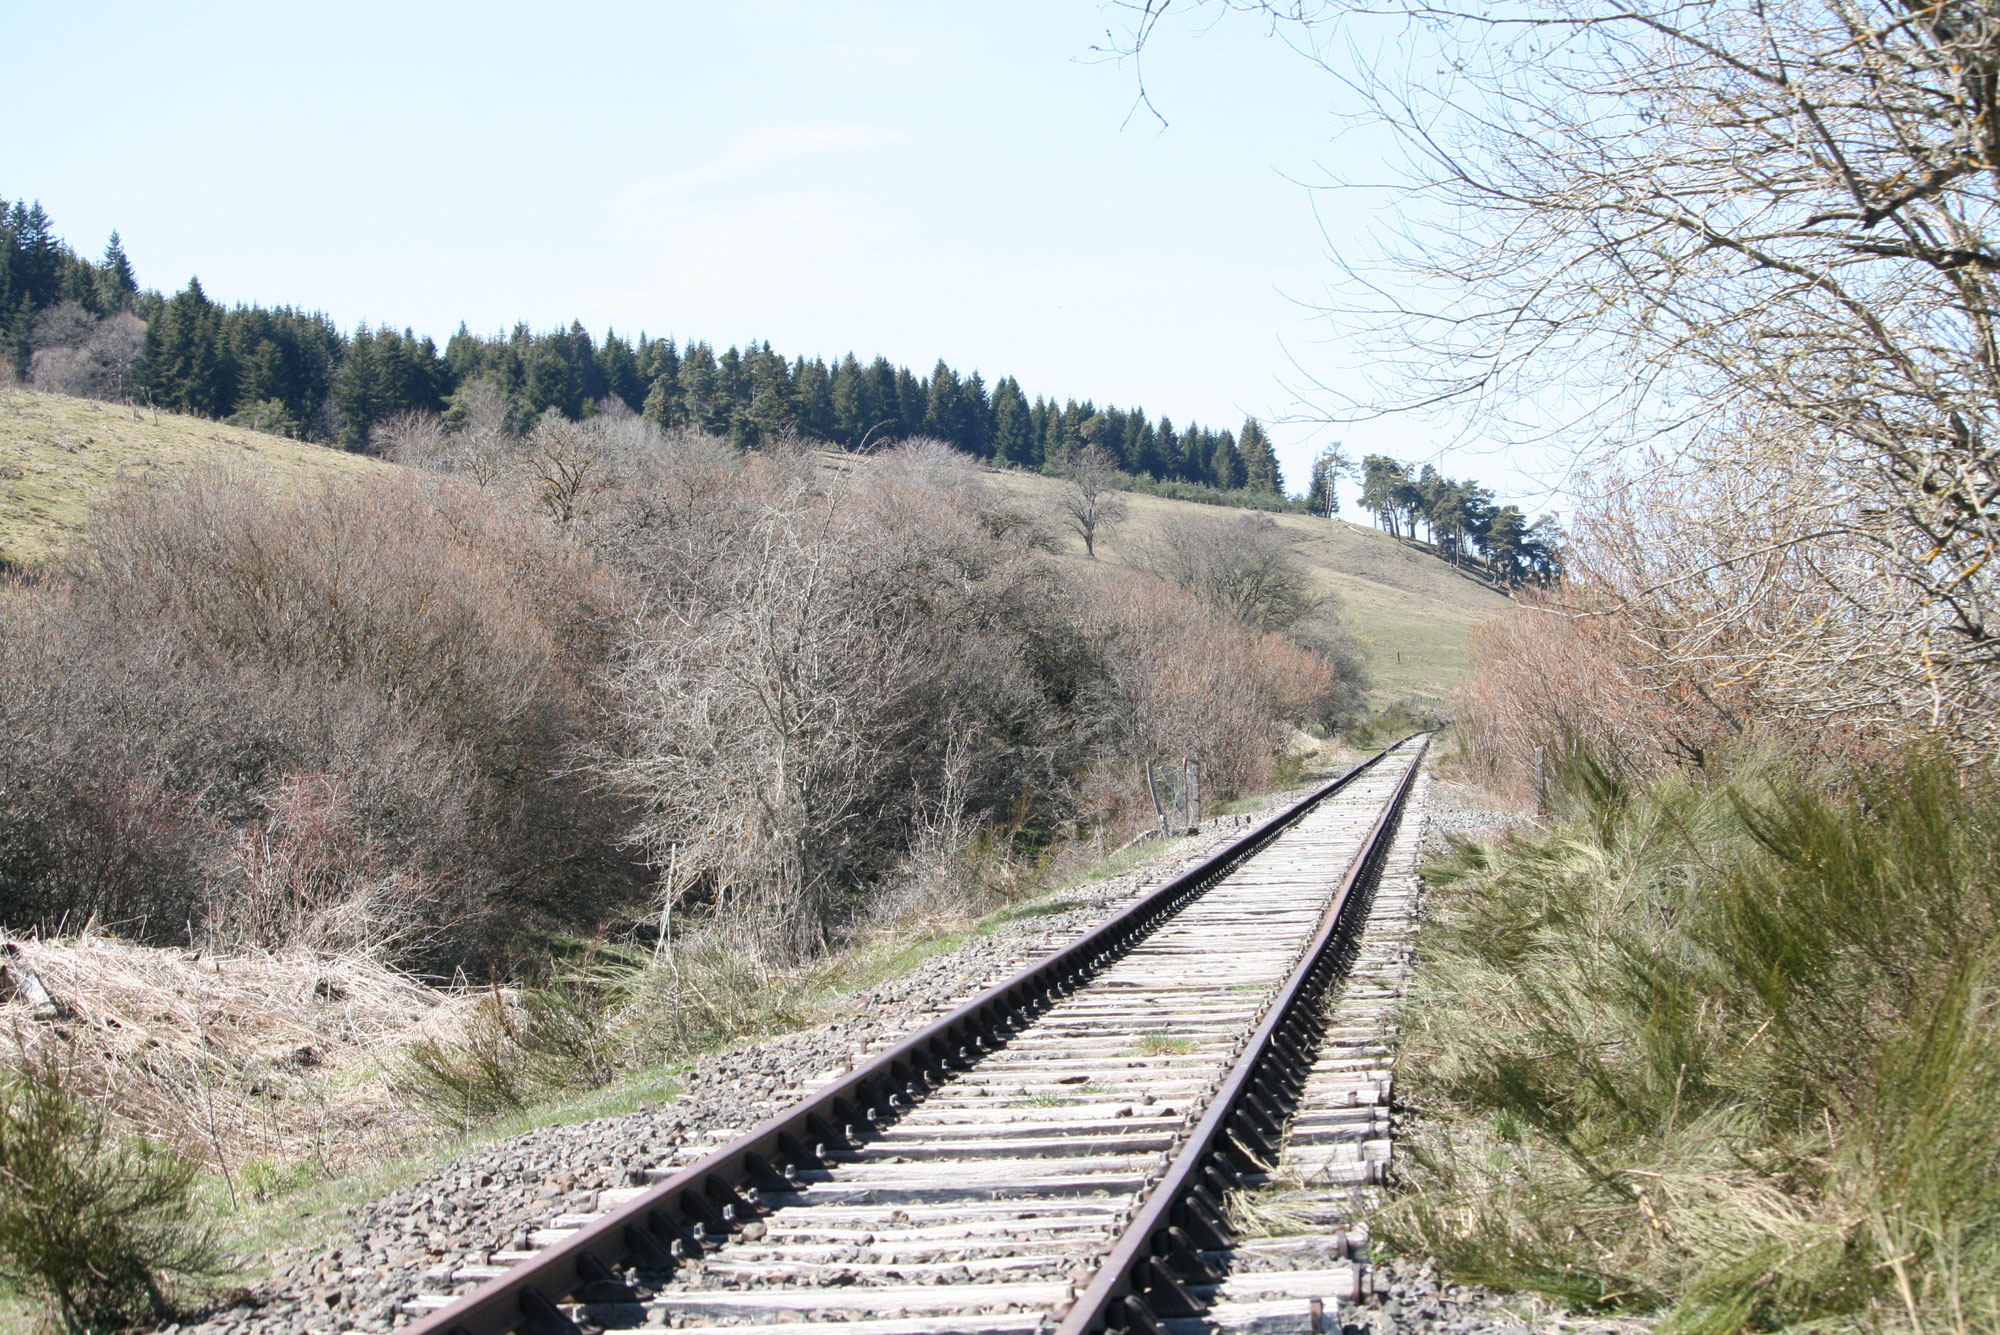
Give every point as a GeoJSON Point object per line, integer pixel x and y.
{"type": "Point", "coordinates": [1727, 1052]}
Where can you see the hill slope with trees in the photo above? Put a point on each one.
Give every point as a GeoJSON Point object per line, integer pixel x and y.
{"type": "Point", "coordinates": [1410, 614]}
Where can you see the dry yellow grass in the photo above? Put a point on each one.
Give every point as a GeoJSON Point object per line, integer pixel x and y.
{"type": "Point", "coordinates": [237, 1056]}
{"type": "Point", "coordinates": [58, 454]}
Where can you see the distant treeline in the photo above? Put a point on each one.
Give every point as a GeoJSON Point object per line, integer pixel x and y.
{"type": "Point", "coordinates": [293, 371]}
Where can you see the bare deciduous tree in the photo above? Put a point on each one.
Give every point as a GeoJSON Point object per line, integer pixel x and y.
{"type": "Point", "coordinates": [482, 443]}
{"type": "Point", "coordinates": [414, 437]}
{"type": "Point", "coordinates": [813, 651]}
{"type": "Point", "coordinates": [1090, 501]}
{"type": "Point", "coordinates": [1726, 228]}
{"type": "Point", "coordinates": [568, 464]}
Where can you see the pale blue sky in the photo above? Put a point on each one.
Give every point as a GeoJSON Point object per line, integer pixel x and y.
{"type": "Point", "coordinates": [917, 179]}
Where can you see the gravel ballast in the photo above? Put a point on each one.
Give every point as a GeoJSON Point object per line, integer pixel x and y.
{"type": "Point", "coordinates": [494, 1196]}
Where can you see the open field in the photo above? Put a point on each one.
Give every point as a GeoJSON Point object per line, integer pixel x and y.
{"type": "Point", "coordinates": [57, 454]}
{"type": "Point", "coordinates": [1411, 612]}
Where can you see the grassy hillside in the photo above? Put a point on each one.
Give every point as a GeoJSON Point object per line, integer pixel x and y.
{"type": "Point", "coordinates": [57, 454]}
{"type": "Point", "coordinates": [1411, 611]}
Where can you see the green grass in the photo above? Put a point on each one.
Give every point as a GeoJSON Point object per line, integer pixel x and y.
{"type": "Point", "coordinates": [1726, 1054]}
{"type": "Point", "coordinates": [1163, 1045]}
{"type": "Point", "coordinates": [315, 1208]}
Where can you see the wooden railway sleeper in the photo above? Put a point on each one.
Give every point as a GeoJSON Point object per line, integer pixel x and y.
{"type": "Point", "coordinates": [1154, 1292]}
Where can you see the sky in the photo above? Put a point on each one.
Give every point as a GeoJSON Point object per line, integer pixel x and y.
{"type": "Point", "coordinates": [918, 180]}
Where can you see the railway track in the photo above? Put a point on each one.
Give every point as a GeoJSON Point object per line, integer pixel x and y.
{"type": "Point", "coordinates": [1056, 1155]}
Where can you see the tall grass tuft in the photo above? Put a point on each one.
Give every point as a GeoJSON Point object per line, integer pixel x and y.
{"type": "Point", "coordinates": [612, 1012]}
{"type": "Point", "coordinates": [1726, 1051]}
{"type": "Point", "coordinates": [97, 1228]}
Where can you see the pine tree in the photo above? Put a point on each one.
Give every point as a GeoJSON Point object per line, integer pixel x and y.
{"type": "Point", "coordinates": [359, 399]}
{"type": "Point", "coordinates": [665, 406]}
{"type": "Point", "coordinates": [619, 366]}
{"type": "Point", "coordinates": [182, 366]}
{"type": "Point", "coordinates": [1059, 434]}
{"type": "Point", "coordinates": [1167, 449]}
{"type": "Point", "coordinates": [1328, 467]}
{"type": "Point", "coordinates": [1013, 424]}
{"type": "Point", "coordinates": [975, 416]}
{"type": "Point", "coordinates": [853, 402]}
{"type": "Point", "coordinates": [812, 390]}
{"type": "Point", "coordinates": [732, 393]}
{"type": "Point", "coordinates": [117, 285]}
{"type": "Point", "coordinates": [700, 401]}
{"type": "Point", "coordinates": [1383, 480]}
{"type": "Point", "coordinates": [1099, 430]}
{"type": "Point", "coordinates": [1260, 461]}
{"type": "Point", "coordinates": [1225, 464]}
{"type": "Point", "coordinates": [885, 418]}
{"type": "Point", "coordinates": [912, 402]}
{"type": "Point", "coordinates": [79, 283]}
{"type": "Point", "coordinates": [773, 408]}
{"type": "Point", "coordinates": [38, 256]}
{"type": "Point", "coordinates": [941, 415]}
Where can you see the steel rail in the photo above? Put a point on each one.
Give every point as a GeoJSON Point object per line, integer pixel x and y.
{"type": "Point", "coordinates": [1150, 1270]}
{"type": "Point", "coordinates": [717, 1193]}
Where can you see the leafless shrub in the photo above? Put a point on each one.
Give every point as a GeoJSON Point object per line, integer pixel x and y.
{"type": "Point", "coordinates": [66, 324]}
{"type": "Point", "coordinates": [136, 767]}
{"type": "Point", "coordinates": [1241, 566]}
{"type": "Point", "coordinates": [955, 865]}
{"type": "Point", "coordinates": [80, 355]}
{"type": "Point", "coordinates": [1709, 599]}
{"type": "Point", "coordinates": [483, 445]}
{"type": "Point", "coordinates": [310, 877]}
{"type": "Point", "coordinates": [933, 465]}
{"type": "Point", "coordinates": [414, 437]}
{"type": "Point", "coordinates": [1180, 680]}
{"type": "Point", "coordinates": [668, 520]}
{"type": "Point", "coordinates": [568, 466]}
{"type": "Point", "coordinates": [419, 647]}
{"type": "Point", "coordinates": [811, 655]}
